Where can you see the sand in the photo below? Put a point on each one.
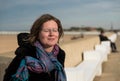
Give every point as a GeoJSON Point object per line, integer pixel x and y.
{"type": "Point", "coordinates": [8, 43]}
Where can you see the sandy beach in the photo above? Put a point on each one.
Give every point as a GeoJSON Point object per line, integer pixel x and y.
{"type": "Point", "coordinates": [8, 42]}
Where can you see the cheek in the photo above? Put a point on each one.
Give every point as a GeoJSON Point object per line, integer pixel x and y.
{"type": "Point", "coordinates": [42, 37]}
{"type": "Point", "coordinates": [57, 36]}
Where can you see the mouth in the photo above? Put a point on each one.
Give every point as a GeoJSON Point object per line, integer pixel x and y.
{"type": "Point", "coordinates": [51, 39]}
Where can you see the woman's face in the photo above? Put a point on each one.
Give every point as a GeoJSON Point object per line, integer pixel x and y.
{"type": "Point", "coordinates": [49, 34]}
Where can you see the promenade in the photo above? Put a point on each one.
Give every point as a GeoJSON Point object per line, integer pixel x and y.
{"type": "Point", "coordinates": [111, 68]}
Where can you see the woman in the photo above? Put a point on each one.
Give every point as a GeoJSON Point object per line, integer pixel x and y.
{"type": "Point", "coordinates": [105, 38]}
{"type": "Point", "coordinates": [38, 57]}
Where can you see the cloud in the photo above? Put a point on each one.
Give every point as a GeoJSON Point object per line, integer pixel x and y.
{"type": "Point", "coordinates": [7, 4]}
{"type": "Point", "coordinates": [72, 12]}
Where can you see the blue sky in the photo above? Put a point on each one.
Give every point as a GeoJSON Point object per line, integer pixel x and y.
{"type": "Point", "coordinates": [20, 14]}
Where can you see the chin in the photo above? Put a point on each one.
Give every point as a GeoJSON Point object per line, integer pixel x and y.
{"type": "Point", "coordinates": [51, 44]}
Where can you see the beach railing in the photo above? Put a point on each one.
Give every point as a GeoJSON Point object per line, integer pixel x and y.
{"type": "Point", "coordinates": [91, 65]}
{"type": "Point", "coordinates": [75, 49]}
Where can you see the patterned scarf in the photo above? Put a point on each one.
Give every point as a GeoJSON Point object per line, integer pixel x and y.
{"type": "Point", "coordinates": [44, 63]}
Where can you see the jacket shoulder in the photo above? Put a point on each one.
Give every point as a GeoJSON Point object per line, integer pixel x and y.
{"type": "Point", "coordinates": [61, 56]}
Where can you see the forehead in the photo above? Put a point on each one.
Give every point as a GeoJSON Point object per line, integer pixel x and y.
{"type": "Point", "coordinates": [50, 23]}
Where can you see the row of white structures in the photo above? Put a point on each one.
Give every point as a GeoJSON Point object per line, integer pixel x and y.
{"type": "Point", "coordinates": [92, 63]}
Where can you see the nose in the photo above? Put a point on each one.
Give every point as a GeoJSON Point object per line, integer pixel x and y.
{"type": "Point", "coordinates": [51, 32]}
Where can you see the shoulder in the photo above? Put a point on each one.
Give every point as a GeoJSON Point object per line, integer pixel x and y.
{"type": "Point", "coordinates": [61, 52]}
{"type": "Point", "coordinates": [61, 56]}
{"type": "Point", "coordinates": [28, 50]}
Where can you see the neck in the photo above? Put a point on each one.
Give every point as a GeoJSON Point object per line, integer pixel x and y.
{"type": "Point", "coordinates": [49, 49]}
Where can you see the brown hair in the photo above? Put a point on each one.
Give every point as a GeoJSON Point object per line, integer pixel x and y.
{"type": "Point", "coordinates": [37, 26]}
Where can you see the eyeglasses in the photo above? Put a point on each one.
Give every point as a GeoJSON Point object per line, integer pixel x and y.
{"type": "Point", "coordinates": [50, 30]}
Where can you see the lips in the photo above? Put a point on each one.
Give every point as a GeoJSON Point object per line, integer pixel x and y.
{"type": "Point", "coordinates": [51, 39]}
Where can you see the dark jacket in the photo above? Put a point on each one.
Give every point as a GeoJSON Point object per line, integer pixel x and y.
{"type": "Point", "coordinates": [103, 38]}
{"type": "Point", "coordinates": [26, 49]}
